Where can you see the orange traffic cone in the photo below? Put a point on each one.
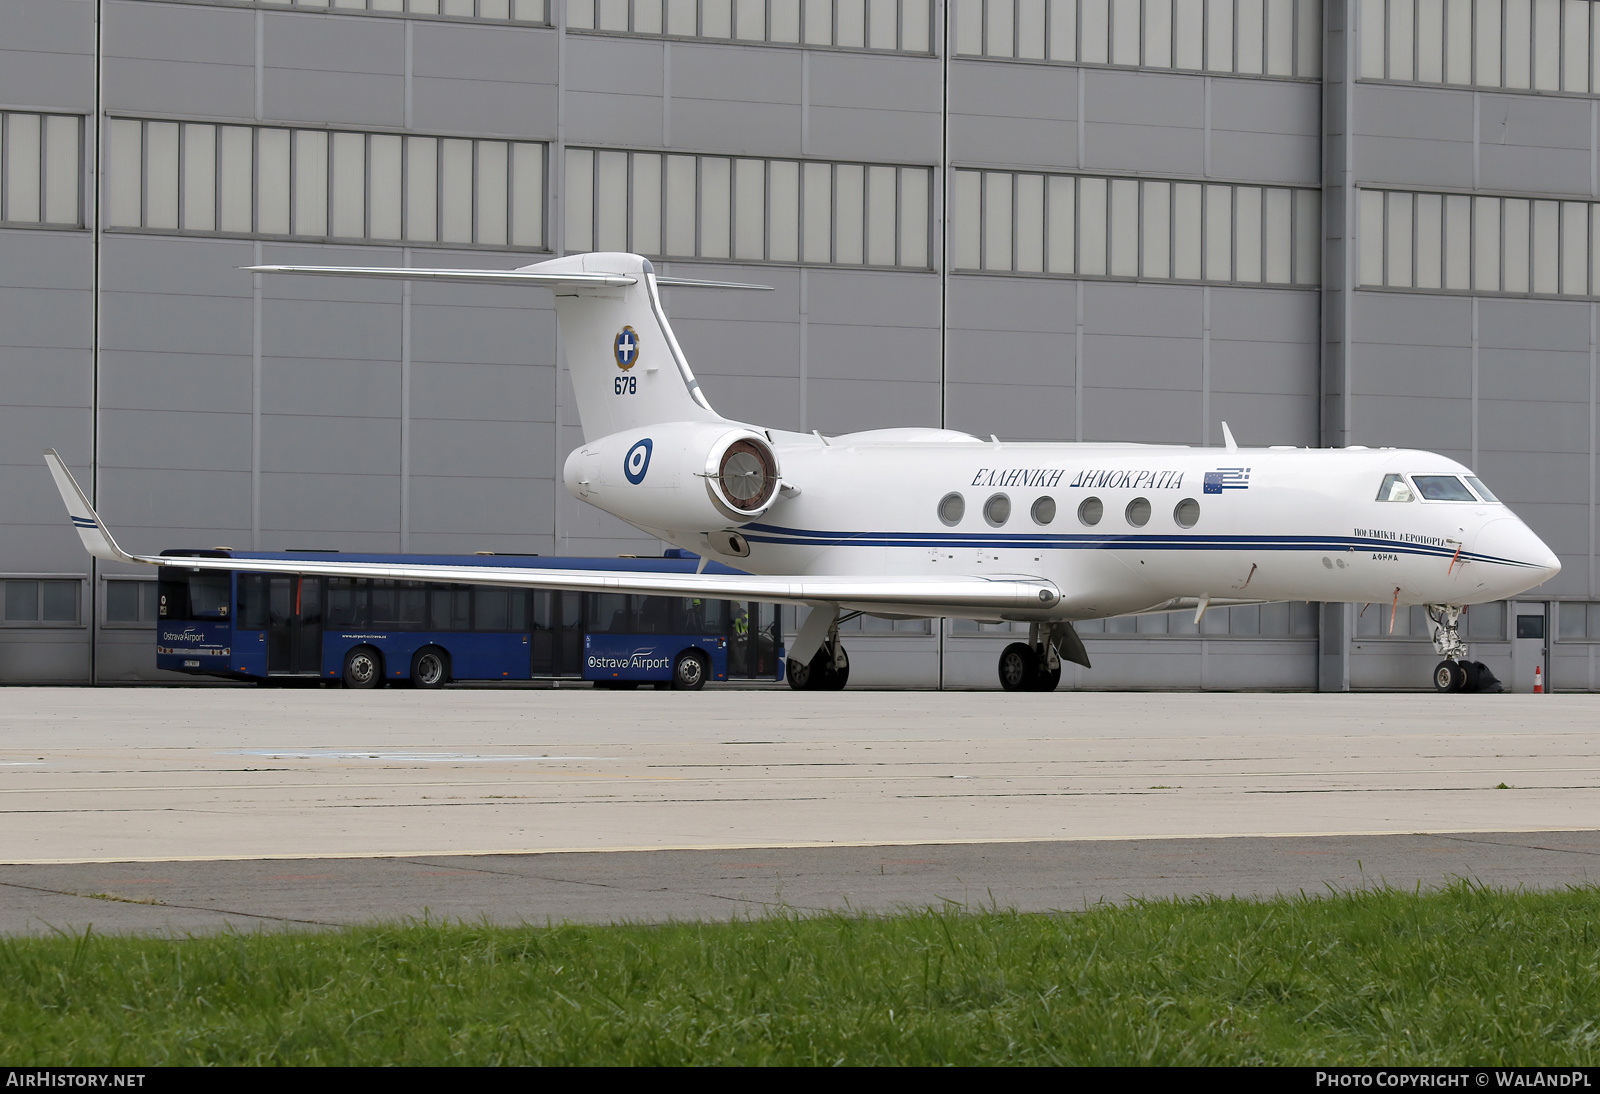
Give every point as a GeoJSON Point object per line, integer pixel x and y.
{"type": "Point", "coordinates": [1538, 680]}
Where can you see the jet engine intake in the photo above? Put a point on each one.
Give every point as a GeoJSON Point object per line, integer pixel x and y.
{"type": "Point", "coordinates": [682, 476]}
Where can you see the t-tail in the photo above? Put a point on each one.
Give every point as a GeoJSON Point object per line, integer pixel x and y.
{"type": "Point", "coordinates": [627, 368]}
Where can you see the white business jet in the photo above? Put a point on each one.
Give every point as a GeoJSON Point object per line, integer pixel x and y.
{"type": "Point", "coordinates": [920, 523]}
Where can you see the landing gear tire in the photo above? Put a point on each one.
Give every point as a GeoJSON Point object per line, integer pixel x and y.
{"type": "Point", "coordinates": [820, 674]}
{"type": "Point", "coordinates": [1045, 680]}
{"type": "Point", "coordinates": [430, 668]}
{"type": "Point", "coordinates": [1019, 667]}
{"type": "Point", "coordinates": [1448, 676]}
{"type": "Point", "coordinates": [1471, 679]}
{"type": "Point", "coordinates": [363, 668]}
{"type": "Point", "coordinates": [689, 672]}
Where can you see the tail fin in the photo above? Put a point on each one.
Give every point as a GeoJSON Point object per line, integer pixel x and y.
{"type": "Point", "coordinates": [627, 367]}
{"type": "Point", "coordinates": [96, 540]}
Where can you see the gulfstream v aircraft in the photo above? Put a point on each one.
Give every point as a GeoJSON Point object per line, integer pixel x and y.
{"type": "Point", "coordinates": [927, 522]}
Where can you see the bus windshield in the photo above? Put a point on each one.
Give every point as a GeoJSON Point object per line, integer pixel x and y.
{"type": "Point", "coordinates": [195, 595]}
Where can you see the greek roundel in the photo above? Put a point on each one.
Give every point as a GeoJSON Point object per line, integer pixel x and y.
{"type": "Point", "coordinates": [637, 461]}
{"type": "Point", "coordinates": [626, 348]}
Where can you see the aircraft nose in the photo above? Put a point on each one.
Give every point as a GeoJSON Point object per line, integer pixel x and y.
{"type": "Point", "coordinates": [1508, 541]}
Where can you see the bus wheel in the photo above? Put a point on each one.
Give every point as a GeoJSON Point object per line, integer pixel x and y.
{"type": "Point", "coordinates": [430, 668]}
{"type": "Point", "coordinates": [363, 668]}
{"type": "Point", "coordinates": [689, 672]}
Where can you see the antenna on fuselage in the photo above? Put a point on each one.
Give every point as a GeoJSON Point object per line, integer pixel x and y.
{"type": "Point", "coordinates": [1227, 439]}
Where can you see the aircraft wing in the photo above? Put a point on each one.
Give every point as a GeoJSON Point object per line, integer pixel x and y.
{"type": "Point", "coordinates": [1004, 593]}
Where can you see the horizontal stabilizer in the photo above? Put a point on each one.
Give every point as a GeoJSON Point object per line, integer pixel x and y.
{"type": "Point", "coordinates": [481, 277]}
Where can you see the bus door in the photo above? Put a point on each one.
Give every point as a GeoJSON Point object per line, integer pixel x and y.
{"type": "Point", "coordinates": [294, 626]}
{"type": "Point", "coordinates": [753, 641]}
{"type": "Point", "coordinates": [557, 634]}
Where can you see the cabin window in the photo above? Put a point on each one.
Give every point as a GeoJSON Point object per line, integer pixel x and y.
{"type": "Point", "coordinates": [1442, 488]}
{"type": "Point", "coordinates": [1090, 511]}
{"type": "Point", "coordinates": [997, 510]}
{"type": "Point", "coordinates": [1394, 488]}
{"type": "Point", "coordinates": [1044, 510]}
{"type": "Point", "coordinates": [1138, 512]}
{"type": "Point", "coordinates": [952, 507]}
{"type": "Point", "coordinates": [1483, 491]}
{"type": "Point", "coordinates": [1187, 513]}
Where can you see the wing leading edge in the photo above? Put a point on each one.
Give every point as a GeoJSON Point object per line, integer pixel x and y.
{"type": "Point", "coordinates": [934, 595]}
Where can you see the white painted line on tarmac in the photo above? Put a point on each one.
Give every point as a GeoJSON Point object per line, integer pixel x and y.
{"type": "Point", "coordinates": [402, 757]}
{"type": "Point", "coordinates": [800, 845]}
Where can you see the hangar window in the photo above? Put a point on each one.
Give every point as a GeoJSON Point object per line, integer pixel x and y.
{"type": "Point", "coordinates": [897, 25]}
{"type": "Point", "coordinates": [509, 11]}
{"type": "Point", "coordinates": [40, 174]}
{"type": "Point", "coordinates": [952, 507]}
{"type": "Point", "coordinates": [1512, 44]}
{"type": "Point", "coordinates": [1187, 513]}
{"type": "Point", "coordinates": [1394, 488]}
{"type": "Point", "coordinates": [41, 601]}
{"type": "Point", "coordinates": [997, 510]}
{"type": "Point", "coordinates": [1044, 511]}
{"type": "Point", "coordinates": [313, 183]}
{"type": "Point", "coordinates": [1257, 37]}
{"type": "Point", "coordinates": [687, 206]}
{"type": "Point", "coordinates": [130, 602]}
{"type": "Point", "coordinates": [1138, 512]}
{"type": "Point", "coordinates": [1017, 222]}
{"type": "Point", "coordinates": [1090, 511]}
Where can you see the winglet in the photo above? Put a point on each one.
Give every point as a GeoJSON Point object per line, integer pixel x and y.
{"type": "Point", "coordinates": [96, 540]}
{"type": "Point", "coordinates": [1227, 439]}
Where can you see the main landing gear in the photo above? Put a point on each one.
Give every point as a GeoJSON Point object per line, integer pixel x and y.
{"type": "Point", "coordinates": [1455, 672]}
{"type": "Point", "coordinates": [1034, 665]}
{"type": "Point", "coordinates": [829, 667]}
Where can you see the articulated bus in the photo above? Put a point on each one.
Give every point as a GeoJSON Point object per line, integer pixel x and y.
{"type": "Point", "coordinates": [364, 632]}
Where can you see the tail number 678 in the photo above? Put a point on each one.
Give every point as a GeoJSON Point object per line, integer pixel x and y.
{"type": "Point", "coordinates": [625, 385]}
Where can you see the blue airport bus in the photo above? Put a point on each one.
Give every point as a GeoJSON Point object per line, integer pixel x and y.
{"type": "Point", "coordinates": [365, 632]}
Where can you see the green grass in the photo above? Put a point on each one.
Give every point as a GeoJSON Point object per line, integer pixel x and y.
{"type": "Point", "coordinates": [1462, 976]}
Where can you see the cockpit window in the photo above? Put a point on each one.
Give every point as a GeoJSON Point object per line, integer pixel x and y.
{"type": "Point", "coordinates": [1394, 488]}
{"type": "Point", "coordinates": [1483, 491]}
{"type": "Point", "coordinates": [1442, 488]}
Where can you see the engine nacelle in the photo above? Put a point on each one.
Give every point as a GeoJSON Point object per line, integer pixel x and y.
{"type": "Point", "coordinates": [684, 476]}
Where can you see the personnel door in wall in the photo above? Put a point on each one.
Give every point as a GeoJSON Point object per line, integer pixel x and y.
{"type": "Point", "coordinates": [1530, 645]}
{"type": "Point", "coordinates": [294, 626]}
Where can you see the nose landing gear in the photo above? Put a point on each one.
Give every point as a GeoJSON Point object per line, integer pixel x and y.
{"type": "Point", "coordinates": [1455, 672]}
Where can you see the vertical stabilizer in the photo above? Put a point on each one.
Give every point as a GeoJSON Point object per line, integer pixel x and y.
{"type": "Point", "coordinates": [627, 368]}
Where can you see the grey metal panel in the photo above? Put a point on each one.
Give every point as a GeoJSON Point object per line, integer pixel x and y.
{"type": "Point", "coordinates": [1010, 357]}
{"type": "Point", "coordinates": [484, 78]}
{"type": "Point", "coordinates": [1146, 416]}
{"type": "Point", "coordinates": [339, 510]}
{"type": "Point", "coordinates": [151, 509]}
{"type": "Point", "coordinates": [331, 328]}
{"type": "Point", "coordinates": [496, 336]}
{"type": "Point", "coordinates": [1413, 319]}
{"type": "Point", "coordinates": [1441, 372]}
{"type": "Point", "coordinates": [735, 348]}
{"type": "Point", "coordinates": [1143, 122]}
{"type": "Point", "coordinates": [1515, 375]}
{"type": "Point", "coordinates": [871, 298]}
{"type": "Point", "coordinates": [47, 53]}
{"type": "Point", "coordinates": [443, 447]}
{"type": "Point", "coordinates": [891, 354]}
{"type": "Point", "coordinates": [327, 68]}
{"type": "Point", "coordinates": [1277, 368]}
{"type": "Point", "coordinates": [873, 107]}
{"type": "Point", "coordinates": [175, 324]}
{"type": "Point", "coordinates": [46, 317]}
{"type": "Point", "coordinates": [471, 392]}
{"type": "Point", "coordinates": [1149, 309]}
{"type": "Point", "coordinates": [44, 655]}
{"type": "Point", "coordinates": [479, 511]}
{"type": "Point", "coordinates": [1413, 136]}
{"type": "Point", "coordinates": [191, 265]}
{"type": "Point", "coordinates": [175, 439]}
{"type": "Point", "coordinates": [1533, 325]}
{"type": "Point", "coordinates": [339, 388]}
{"type": "Point", "coordinates": [844, 406]}
{"type": "Point", "coordinates": [769, 401]}
{"type": "Point", "coordinates": [1007, 113]}
{"type": "Point", "coordinates": [1517, 425]}
{"type": "Point", "coordinates": [1442, 425]}
{"type": "Point", "coordinates": [38, 259]}
{"type": "Point", "coordinates": [1534, 143]}
{"type": "Point", "coordinates": [1263, 418]}
{"type": "Point", "coordinates": [615, 92]}
{"type": "Point", "coordinates": [169, 57]}
{"type": "Point", "coordinates": [1025, 412]}
{"type": "Point", "coordinates": [175, 381]}
{"type": "Point", "coordinates": [735, 100]}
{"type": "Point", "coordinates": [327, 444]}
{"type": "Point", "coordinates": [1261, 129]}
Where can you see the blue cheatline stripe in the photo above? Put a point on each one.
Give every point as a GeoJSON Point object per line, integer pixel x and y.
{"type": "Point", "coordinates": [84, 522]}
{"type": "Point", "coordinates": [800, 537]}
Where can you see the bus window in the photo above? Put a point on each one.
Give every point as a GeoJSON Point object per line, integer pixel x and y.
{"type": "Point", "coordinates": [398, 605]}
{"type": "Point", "coordinates": [491, 608]}
{"type": "Point", "coordinates": [347, 601]}
{"type": "Point", "coordinates": [252, 611]}
{"type": "Point", "coordinates": [651, 615]}
{"type": "Point", "coordinates": [449, 607]}
{"type": "Point", "coordinates": [608, 614]}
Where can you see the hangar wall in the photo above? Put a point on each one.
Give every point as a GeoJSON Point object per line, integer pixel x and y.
{"type": "Point", "coordinates": [1043, 219]}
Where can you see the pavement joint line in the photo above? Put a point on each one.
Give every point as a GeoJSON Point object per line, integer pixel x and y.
{"type": "Point", "coordinates": [289, 856]}
{"type": "Point", "coordinates": [165, 904]}
{"type": "Point", "coordinates": [1529, 846]}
